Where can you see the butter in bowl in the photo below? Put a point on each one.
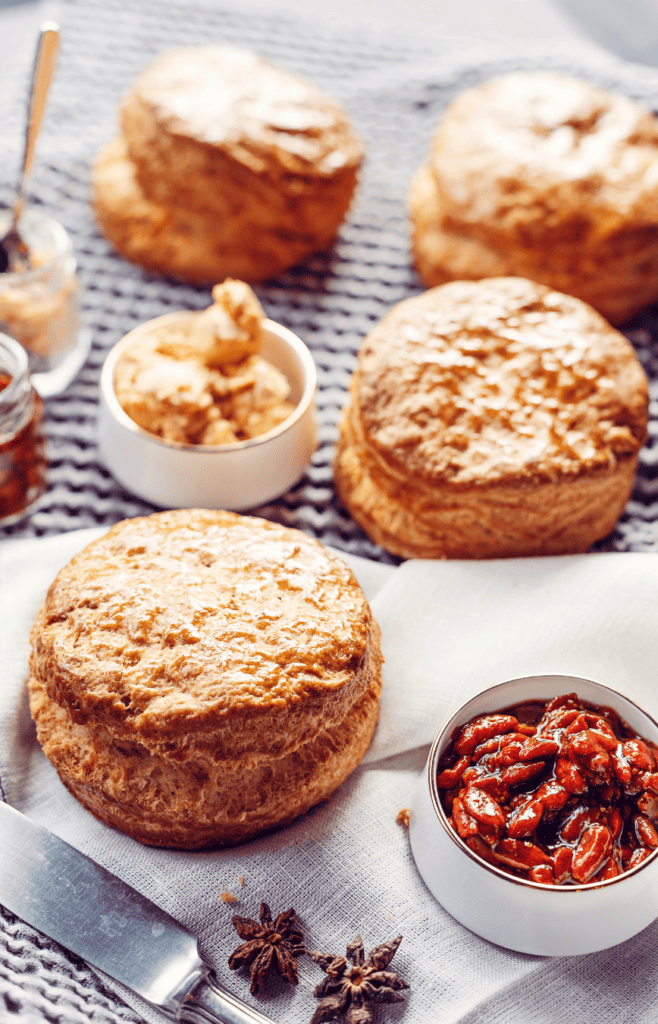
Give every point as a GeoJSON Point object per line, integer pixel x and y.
{"type": "Point", "coordinates": [211, 409]}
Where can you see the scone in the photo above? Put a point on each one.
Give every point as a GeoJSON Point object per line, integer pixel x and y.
{"type": "Point", "coordinates": [226, 165]}
{"type": "Point", "coordinates": [488, 419]}
{"type": "Point", "coordinates": [540, 175]}
{"type": "Point", "coordinates": [199, 678]}
{"type": "Point", "coordinates": [172, 240]}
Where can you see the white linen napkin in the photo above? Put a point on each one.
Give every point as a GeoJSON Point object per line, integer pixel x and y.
{"type": "Point", "coordinates": [473, 624]}
{"type": "Point", "coordinates": [449, 628]}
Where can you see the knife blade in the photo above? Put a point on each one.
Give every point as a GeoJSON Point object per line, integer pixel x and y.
{"type": "Point", "coordinates": [72, 899]}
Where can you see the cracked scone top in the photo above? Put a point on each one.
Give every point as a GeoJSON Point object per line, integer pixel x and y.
{"type": "Point", "coordinates": [222, 96]}
{"type": "Point", "coordinates": [205, 631]}
{"type": "Point", "coordinates": [491, 418]}
{"type": "Point", "coordinates": [217, 129]}
{"type": "Point", "coordinates": [561, 159]}
{"type": "Point", "coordinates": [544, 176]}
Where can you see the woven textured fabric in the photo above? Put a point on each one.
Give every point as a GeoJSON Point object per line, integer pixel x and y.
{"type": "Point", "coordinates": [395, 89]}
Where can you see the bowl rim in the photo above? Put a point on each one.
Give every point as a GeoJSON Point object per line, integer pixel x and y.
{"type": "Point", "coordinates": [121, 416]}
{"type": "Point", "coordinates": [431, 777]}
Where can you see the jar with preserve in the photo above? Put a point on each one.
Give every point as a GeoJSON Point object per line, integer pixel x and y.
{"type": "Point", "coordinates": [40, 303]}
{"type": "Point", "coordinates": [22, 442]}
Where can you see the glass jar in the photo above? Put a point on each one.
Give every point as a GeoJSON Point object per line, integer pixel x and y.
{"type": "Point", "coordinates": [40, 305]}
{"type": "Point", "coordinates": [22, 449]}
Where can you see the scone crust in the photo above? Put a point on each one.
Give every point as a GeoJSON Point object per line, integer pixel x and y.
{"type": "Point", "coordinates": [177, 241]}
{"type": "Point", "coordinates": [219, 129]}
{"type": "Point", "coordinates": [489, 419]}
{"type": "Point", "coordinates": [160, 802]}
{"type": "Point", "coordinates": [196, 631]}
{"type": "Point", "coordinates": [541, 175]}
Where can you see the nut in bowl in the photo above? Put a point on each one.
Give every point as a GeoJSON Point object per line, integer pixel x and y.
{"type": "Point", "coordinates": [533, 824]}
{"type": "Point", "coordinates": [211, 409]}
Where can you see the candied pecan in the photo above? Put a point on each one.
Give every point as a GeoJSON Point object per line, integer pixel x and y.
{"type": "Point", "coordinates": [491, 784]}
{"type": "Point", "coordinates": [483, 729]}
{"type": "Point", "coordinates": [566, 700]}
{"type": "Point", "coordinates": [586, 744]}
{"type": "Point", "coordinates": [621, 767]}
{"type": "Point", "coordinates": [638, 855]}
{"type": "Point", "coordinates": [525, 820]}
{"type": "Point", "coordinates": [593, 849]}
{"type": "Point", "coordinates": [542, 873]}
{"type": "Point", "coordinates": [570, 776]}
{"type": "Point", "coordinates": [647, 803]}
{"type": "Point", "coordinates": [578, 820]}
{"type": "Point", "coordinates": [552, 795]}
{"type": "Point", "coordinates": [518, 773]}
{"type": "Point", "coordinates": [608, 794]}
{"type": "Point", "coordinates": [578, 724]}
{"type": "Point", "coordinates": [464, 823]}
{"type": "Point", "coordinates": [508, 755]}
{"type": "Point", "coordinates": [587, 748]}
{"type": "Point", "coordinates": [491, 746]}
{"type": "Point", "coordinates": [557, 720]}
{"type": "Point", "coordinates": [606, 737]}
{"type": "Point", "coordinates": [538, 747]}
{"type": "Point", "coordinates": [637, 752]}
{"type": "Point", "coordinates": [449, 777]}
{"type": "Point", "coordinates": [520, 854]}
{"type": "Point", "coordinates": [615, 823]}
{"type": "Point", "coordinates": [489, 833]}
{"type": "Point", "coordinates": [650, 781]}
{"type": "Point", "coordinates": [609, 870]}
{"type": "Point", "coordinates": [484, 808]}
{"type": "Point", "coordinates": [562, 864]}
{"type": "Point", "coordinates": [477, 845]}
{"type": "Point", "coordinates": [645, 832]}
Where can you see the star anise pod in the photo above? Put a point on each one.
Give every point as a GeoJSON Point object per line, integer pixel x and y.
{"type": "Point", "coordinates": [355, 990]}
{"type": "Point", "coordinates": [269, 946]}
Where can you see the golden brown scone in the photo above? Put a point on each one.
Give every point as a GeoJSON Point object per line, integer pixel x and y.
{"type": "Point", "coordinates": [180, 242]}
{"type": "Point", "coordinates": [162, 802]}
{"type": "Point", "coordinates": [251, 166]}
{"type": "Point", "coordinates": [540, 175]}
{"type": "Point", "coordinates": [191, 654]}
{"type": "Point", "coordinates": [491, 419]}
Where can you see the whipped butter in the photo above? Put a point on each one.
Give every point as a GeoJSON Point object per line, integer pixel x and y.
{"type": "Point", "coordinates": [206, 383]}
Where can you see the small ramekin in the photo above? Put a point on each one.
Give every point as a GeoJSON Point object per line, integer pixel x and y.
{"type": "Point", "coordinates": [530, 917]}
{"type": "Point", "coordinates": [235, 476]}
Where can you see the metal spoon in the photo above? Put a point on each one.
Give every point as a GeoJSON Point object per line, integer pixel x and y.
{"type": "Point", "coordinates": [13, 250]}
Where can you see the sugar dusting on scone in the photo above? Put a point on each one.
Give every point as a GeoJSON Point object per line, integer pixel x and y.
{"type": "Point", "coordinates": [205, 384]}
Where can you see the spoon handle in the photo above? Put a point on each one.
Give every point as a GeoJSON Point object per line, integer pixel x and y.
{"type": "Point", "coordinates": [44, 67]}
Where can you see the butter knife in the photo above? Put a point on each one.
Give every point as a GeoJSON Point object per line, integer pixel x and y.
{"type": "Point", "coordinates": [76, 902]}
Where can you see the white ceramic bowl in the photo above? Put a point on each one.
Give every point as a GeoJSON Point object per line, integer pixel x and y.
{"type": "Point", "coordinates": [235, 476]}
{"type": "Point", "coordinates": [528, 916]}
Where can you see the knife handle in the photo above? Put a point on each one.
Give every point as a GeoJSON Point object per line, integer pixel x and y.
{"type": "Point", "coordinates": [205, 1003]}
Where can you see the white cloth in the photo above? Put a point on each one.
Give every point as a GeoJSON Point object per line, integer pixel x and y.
{"type": "Point", "coordinates": [449, 628]}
